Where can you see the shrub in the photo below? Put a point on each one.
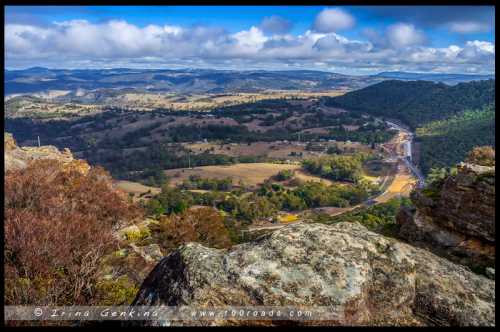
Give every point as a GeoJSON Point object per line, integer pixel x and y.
{"type": "Point", "coordinates": [116, 292]}
{"type": "Point", "coordinates": [58, 227]}
{"type": "Point", "coordinates": [203, 225]}
{"type": "Point", "coordinates": [284, 175]}
{"type": "Point", "coordinates": [482, 155]}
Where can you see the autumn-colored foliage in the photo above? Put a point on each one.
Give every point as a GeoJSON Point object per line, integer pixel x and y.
{"type": "Point", "coordinates": [58, 226]}
{"type": "Point", "coordinates": [204, 225]}
{"type": "Point", "coordinates": [482, 155]}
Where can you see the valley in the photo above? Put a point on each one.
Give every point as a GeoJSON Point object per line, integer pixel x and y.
{"type": "Point", "coordinates": [223, 170]}
{"type": "Point", "coordinates": [249, 166]}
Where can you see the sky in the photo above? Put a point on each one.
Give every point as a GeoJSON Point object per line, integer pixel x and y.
{"type": "Point", "coordinates": [345, 39]}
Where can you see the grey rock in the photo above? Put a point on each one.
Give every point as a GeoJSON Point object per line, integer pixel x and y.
{"type": "Point", "coordinates": [490, 273]}
{"type": "Point", "coordinates": [370, 279]}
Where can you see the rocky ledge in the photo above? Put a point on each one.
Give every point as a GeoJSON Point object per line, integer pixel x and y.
{"type": "Point", "coordinates": [367, 278]}
{"type": "Point", "coordinates": [19, 157]}
{"type": "Point", "coordinates": [456, 220]}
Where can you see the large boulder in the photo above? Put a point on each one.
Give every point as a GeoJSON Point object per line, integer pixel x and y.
{"type": "Point", "coordinates": [367, 279]}
{"type": "Point", "coordinates": [457, 219]}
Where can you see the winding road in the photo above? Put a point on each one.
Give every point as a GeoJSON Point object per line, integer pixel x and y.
{"type": "Point", "coordinates": [406, 177]}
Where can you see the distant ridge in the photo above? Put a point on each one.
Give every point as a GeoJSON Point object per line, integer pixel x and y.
{"type": "Point", "coordinates": [432, 76]}
{"type": "Point", "coordinates": [41, 80]}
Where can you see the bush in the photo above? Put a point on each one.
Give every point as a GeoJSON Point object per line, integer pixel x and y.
{"type": "Point", "coordinates": [203, 225]}
{"type": "Point", "coordinates": [116, 292]}
{"type": "Point", "coordinates": [58, 227]}
{"type": "Point", "coordinates": [482, 155]}
{"type": "Point", "coordinates": [284, 175]}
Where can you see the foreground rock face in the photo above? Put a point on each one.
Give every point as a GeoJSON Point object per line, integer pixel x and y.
{"type": "Point", "coordinates": [457, 220]}
{"type": "Point", "coordinates": [369, 279]}
{"type": "Point", "coordinates": [19, 157]}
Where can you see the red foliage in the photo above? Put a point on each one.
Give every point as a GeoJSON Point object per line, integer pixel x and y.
{"type": "Point", "coordinates": [58, 226]}
{"type": "Point", "coordinates": [204, 225]}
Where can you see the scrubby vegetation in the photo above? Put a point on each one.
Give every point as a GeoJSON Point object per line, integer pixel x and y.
{"type": "Point", "coordinates": [203, 225]}
{"type": "Point", "coordinates": [58, 227]}
{"type": "Point", "coordinates": [482, 155]}
{"type": "Point", "coordinates": [284, 175]}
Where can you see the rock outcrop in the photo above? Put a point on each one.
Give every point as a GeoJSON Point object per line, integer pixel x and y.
{"type": "Point", "coordinates": [366, 278]}
{"type": "Point", "coordinates": [457, 219]}
{"type": "Point", "coordinates": [19, 157]}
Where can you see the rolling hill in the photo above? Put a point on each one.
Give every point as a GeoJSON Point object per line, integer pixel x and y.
{"type": "Point", "coordinates": [81, 81]}
{"type": "Point", "coordinates": [417, 102]}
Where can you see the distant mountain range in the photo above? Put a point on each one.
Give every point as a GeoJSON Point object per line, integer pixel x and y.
{"type": "Point", "coordinates": [444, 78]}
{"type": "Point", "coordinates": [81, 81]}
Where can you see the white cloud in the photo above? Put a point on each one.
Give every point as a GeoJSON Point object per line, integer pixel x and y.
{"type": "Point", "coordinates": [403, 35]}
{"type": "Point", "coordinates": [119, 43]}
{"type": "Point", "coordinates": [248, 41]}
{"type": "Point", "coordinates": [333, 20]}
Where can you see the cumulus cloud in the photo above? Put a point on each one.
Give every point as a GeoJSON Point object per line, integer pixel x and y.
{"type": "Point", "coordinates": [332, 20]}
{"type": "Point", "coordinates": [275, 24]}
{"type": "Point", "coordinates": [403, 35]}
{"type": "Point", "coordinates": [80, 43]}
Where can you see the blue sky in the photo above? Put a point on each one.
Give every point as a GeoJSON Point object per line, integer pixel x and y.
{"type": "Point", "coordinates": [347, 39]}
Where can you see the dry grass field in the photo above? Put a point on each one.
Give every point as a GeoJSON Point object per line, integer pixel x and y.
{"type": "Point", "coordinates": [278, 150]}
{"type": "Point", "coordinates": [252, 174]}
{"type": "Point", "coordinates": [49, 109]}
{"type": "Point", "coordinates": [148, 101]}
{"type": "Point", "coordinates": [135, 188]}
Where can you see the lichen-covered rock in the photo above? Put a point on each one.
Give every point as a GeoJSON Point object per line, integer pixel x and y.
{"type": "Point", "coordinates": [456, 220]}
{"type": "Point", "coordinates": [19, 157]}
{"type": "Point", "coordinates": [151, 253]}
{"type": "Point", "coordinates": [368, 278]}
{"type": "Point", "coordinates": [490, 273]}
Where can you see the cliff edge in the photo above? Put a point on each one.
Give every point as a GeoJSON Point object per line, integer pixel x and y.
{"type": "Point", "coordinates": [456, 217]}
{"type": "Point", "coordinates": [19, 157]}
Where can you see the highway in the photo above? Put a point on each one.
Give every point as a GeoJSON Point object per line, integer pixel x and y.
{"type": "Point", "coordinates": [416, 172]}
{"type": "Point", "coordinates": [405, 144]}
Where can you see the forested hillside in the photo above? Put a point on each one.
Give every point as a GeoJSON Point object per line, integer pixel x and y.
{"type": "Point", "coordinates": [417, 102]}
{"type": "Point", "coordinates": [447, 142]}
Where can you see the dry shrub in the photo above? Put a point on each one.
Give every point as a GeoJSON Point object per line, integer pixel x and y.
{"type": "Point", "coordinates": [204, 225]}
{"type": "Point", "coordinates": [58, 226]}
{"type": "Point", "coordinates": [482, 155]}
